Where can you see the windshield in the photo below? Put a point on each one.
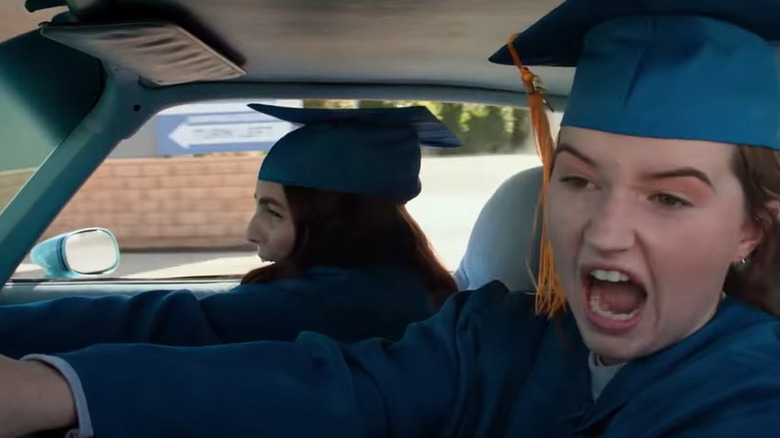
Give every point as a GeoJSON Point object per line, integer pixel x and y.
{"type": "Point", "coordinates": [179, 193]}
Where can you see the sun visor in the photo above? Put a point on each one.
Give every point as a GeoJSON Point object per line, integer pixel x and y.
{"type": "Point", "coordinates": [160, 52]}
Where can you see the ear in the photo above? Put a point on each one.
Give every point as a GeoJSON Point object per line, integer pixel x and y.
{"type": "Point", "coordinates": [774, 208]}
{"type": "Point", "coordinates": [753, 232]}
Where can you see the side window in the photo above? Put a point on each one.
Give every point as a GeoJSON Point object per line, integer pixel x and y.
{"type": "Point", "coordinates": [10, 182]}
{"type": "Point", "coordinates": [178, 194]}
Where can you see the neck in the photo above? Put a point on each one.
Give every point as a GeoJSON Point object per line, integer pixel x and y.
{"type": "Point", "coordinates": [606, 361]}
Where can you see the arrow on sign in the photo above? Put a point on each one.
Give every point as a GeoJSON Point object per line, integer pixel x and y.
{"type": "Point", "coordinates": [186, 135]}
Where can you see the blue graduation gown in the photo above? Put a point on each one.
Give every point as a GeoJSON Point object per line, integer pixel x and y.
{"type": "Point", "coordinates": [484, 366]}
{"type": "Point", "coordinates": [348, 305]}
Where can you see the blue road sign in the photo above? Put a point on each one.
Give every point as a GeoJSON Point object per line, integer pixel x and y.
{"type": "Point", "coordinates": [208, 128]}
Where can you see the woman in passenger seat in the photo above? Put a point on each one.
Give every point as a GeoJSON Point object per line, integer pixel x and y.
{"type": "Point", "coordinates": [349, 260]}
{"type": "Point", "coordinates": [661, 202]}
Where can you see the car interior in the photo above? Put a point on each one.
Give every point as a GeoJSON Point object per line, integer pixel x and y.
{"type": "Point", "coordinates": [118, 63]}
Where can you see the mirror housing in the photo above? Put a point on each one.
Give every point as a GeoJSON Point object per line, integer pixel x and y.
{"type": "Point", "coordinates": [84, 253]}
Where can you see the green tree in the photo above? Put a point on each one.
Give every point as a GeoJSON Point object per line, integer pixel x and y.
{"type": "Point", "coordinates": [451, 115]}
{"type": "Point", "coordinates": [376, 104]}
{"type": "Point", "coordinates": [521, 129]}
{"type": "Point", "coordinates": [482, 129]}
{"type": "Point", "coordinates": [487, 131]}
{"type": "Point", "coordinates": [328, 103]}
{"type": "Point", "coordinates": [314, 103]}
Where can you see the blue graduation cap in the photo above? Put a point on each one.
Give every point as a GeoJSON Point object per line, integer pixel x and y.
{"type": "Point", "coordinates": [683, 69]}
{"type": "Point", "coordinates": [372, 151]}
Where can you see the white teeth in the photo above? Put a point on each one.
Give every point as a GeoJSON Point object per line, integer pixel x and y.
{"type": "Point", "coordinates": [611, 276]}
{"type": "Point", "coordinates": [595, 306]}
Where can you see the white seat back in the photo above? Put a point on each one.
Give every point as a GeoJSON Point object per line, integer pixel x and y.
{"type": "Point", "coordinates": [503, 245]}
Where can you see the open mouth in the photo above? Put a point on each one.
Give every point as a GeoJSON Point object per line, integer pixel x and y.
{"type": "Point", "coordinates": [614, 299]}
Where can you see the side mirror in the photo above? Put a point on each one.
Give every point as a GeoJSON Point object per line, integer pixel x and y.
{"type": "Point", "coordinates": [88, 252]}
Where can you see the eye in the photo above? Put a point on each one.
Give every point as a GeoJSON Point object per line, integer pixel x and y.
{"type": "Point", "coordinates": [670, 201]}
{"type": "Point", "coordinates": [576, 182]}
{"type": "Point", "coordinates": [270, 212]}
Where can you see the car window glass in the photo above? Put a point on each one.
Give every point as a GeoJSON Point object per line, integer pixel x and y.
{"type": "Point", "coordinates": [178, 194]}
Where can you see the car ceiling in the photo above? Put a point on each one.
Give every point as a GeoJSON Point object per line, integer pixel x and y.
{"type": "Point", "coordinates": [409, 42]}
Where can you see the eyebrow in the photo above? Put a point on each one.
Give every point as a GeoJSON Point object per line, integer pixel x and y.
{"type": "Point", "coordinates": [683, 172]}
{"type": "Point", "coordinates": [565, 147]}
{"type": "Point", "coordinates": [268, 201]}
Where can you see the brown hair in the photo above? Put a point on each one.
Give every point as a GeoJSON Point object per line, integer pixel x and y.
{"type": "Point", "coordinates": [755, 282]}
{"type": "Point", "coordinates": [352, 231]}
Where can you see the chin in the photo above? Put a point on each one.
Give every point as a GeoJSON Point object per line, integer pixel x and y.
{"type": "Point", "coordinates": [619, 349]}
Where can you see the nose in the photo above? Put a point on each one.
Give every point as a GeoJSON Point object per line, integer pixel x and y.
{"type": "Point", "coordinates": [611, 226]}
{"type": "Point", "coordinates": [254, 232]}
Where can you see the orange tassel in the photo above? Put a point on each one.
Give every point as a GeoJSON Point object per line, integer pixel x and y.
{"type": "Point", "coordinates": [549, 294]}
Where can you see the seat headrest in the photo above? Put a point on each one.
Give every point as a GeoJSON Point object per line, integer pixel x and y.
{"type": "Point", "coordinates": [503, 244]}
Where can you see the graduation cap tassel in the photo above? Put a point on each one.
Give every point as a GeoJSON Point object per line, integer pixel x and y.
{"type": "Point", "coordinates": [549, 293]}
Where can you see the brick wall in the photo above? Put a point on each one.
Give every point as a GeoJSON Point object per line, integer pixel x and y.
{"type": "Point", "coordinates": [153, 203]}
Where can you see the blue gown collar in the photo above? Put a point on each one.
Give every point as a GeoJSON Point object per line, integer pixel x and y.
{"type": "Point", "coordinates": [637, 375]}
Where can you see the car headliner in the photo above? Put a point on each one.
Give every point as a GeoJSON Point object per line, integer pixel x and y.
{"type": "Point", "coordinates": [421, 42]}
